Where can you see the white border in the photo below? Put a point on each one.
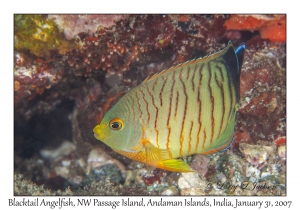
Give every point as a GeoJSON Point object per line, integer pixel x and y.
{"type": "Point", "coordinates": [153, 6]}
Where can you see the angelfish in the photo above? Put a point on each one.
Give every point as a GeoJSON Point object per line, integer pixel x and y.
{"type": "Point", "coordinates": [186, 109]}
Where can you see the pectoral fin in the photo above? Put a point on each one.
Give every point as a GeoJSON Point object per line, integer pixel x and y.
{"type": "Point", "coordinates": [154, 154]}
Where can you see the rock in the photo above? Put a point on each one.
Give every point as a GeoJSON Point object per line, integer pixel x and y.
{"type": "Point", "coordinates": [183, 184]}
{"type": "Point", "coordinates": [272, 27]}
{"type": "Point", "coordinates": [282, 152]}
{"type": "Point", "coordinates": [191, 179]}
{"type": "Point", "coordinates": [64, 149]}
{"type": "Point", "coordinates": [170, 191]}
{"type": "Point", "coordinates": [200, 164]}
{"type": "Point", "coordinates": [251, 77]}
{"type": "Point", "coordinates": [72, 25]}
{"type": "Point", "coordinates": [108, 170]}
{"type": "Point", "coordinates": [242, 192]}
{"type": "Point", "coordinates": [242, 135]}
{"type": "Point", "coordinates": [262, 111]}
{"type": "Point", "coordinates": [221, 177]}
{"type": "Point", "coordinates": [75, 180]}
{"type": "Point", "coordinates": [62, 171]}
{"type": "Point", "coordinates": [155, 176]}
{"type": "Point", "coordinates": [192, 191]}
{"type": "Point", "coordinates": [253, 173]}
{"type": "Point", "coordinates": [256, 154]}
{"type": "Point", "coordinates": [98, 158]}
{"type": "Point", "coordinates": [233, 167]}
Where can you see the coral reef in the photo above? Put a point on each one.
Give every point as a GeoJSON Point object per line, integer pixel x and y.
{"type": "Point", "coordinates": [70, 69]}
{"type": "Point", "coordinates": [271, 27]}
{"type": "Point", "coordinates": [73, 25]}
{"type": "Point", "coordinates": [25, 188]}
{"type": "Point", "coordinates": [39, 35]}
{"type": "Point", "coordinates": [263, 93]}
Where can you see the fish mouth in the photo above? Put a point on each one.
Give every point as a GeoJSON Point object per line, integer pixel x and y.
{"type": "Point", "coordinates": [96, 135]}
{"type": "Point", "coordinates": [96, 131]}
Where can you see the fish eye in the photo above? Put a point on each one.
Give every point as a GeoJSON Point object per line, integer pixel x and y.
{"type": "Point", "coordinates": [116, 124]}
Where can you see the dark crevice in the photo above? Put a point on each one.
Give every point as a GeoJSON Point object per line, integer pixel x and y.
{"type": "Point", "coordinates": [43, 130]}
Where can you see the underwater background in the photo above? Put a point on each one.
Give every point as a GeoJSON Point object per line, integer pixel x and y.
{"type": "Point", "coordinates": [69, 68]}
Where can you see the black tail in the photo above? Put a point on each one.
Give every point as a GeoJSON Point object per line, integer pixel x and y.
{"type": "Point", "coordinates": [234, 60]}
{"type": "Point", "coordinates": [240, 55]}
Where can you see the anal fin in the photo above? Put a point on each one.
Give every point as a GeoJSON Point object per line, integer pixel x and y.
{"type": "Point", "coordinates": [174, 165]}
{"type": "Point", "coordinates": [160, 158]}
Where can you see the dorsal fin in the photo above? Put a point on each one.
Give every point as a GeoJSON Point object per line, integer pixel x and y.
{"type": "Point", "coordinates": [171, 68]}
{"type": "Point", "coordinates": [240, 51]}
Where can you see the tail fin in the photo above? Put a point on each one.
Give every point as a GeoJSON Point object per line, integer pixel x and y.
{"type": "Point", "coordinates": [240, 54]}
{"type": "Point", "coordinates": [234, 60]}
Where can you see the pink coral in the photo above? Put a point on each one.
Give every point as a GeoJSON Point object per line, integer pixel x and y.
{"type": "Point", "coordinates": [200, 164]}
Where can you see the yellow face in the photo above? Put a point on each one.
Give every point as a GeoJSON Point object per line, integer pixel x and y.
{"type": "Point", "coordinates": [98, 132]}
{"type": "Point", "coordinates": [118, 129]}
{"type": "Point", "coordinates": [109, 131]}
